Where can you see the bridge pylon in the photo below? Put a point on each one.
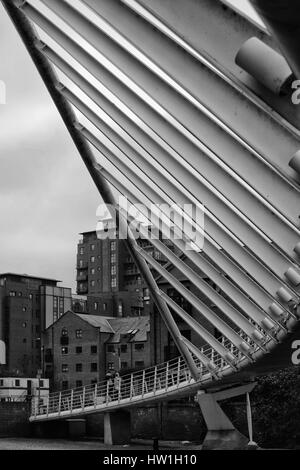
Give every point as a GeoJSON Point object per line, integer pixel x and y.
{"type": "Point", "coordinates": [221, 433]}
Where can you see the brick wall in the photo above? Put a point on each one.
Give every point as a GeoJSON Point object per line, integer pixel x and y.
{"type": "Point", "coordinates": [14, 419]}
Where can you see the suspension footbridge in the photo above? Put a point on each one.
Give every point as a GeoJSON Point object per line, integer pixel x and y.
{"type": "Point", "coordinates": [187, 103]}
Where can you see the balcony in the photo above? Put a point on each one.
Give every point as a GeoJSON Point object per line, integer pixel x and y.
{"type": "Point", "coordinates": [82, 277]}
{"type": "Point", "coordinates": [82, 290]}
{"type": "Point", "coordinates": [84, 265]}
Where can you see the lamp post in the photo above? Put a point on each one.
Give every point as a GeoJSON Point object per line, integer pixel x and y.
{"type": "Point", "coordinates": [38, 375]}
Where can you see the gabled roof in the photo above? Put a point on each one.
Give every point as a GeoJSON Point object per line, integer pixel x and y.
{"type": "Point", "coordinates": [137, 327]}
{"type": "Point", "coordinates": [97, 321]}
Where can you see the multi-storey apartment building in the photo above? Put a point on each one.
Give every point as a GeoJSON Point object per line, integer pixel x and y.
{"type": "Point", "coordinates": [28, 305]}
{"type": "Point", "coordinates": [107, 274]}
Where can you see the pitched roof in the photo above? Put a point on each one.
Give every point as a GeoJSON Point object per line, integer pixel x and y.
{"type": "Point", "coordinates": [137, 327]}
{"type": "Point", "coordinates": [97, 321]}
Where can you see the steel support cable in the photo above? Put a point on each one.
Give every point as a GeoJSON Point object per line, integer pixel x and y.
{"type": "Point", "coordinates": [136, 181]}
{"type": "Point", "coordinates": [267, 247]}
{"type": "Point", "coordinates": [173, 65]}
{"type": "Point", "coordinates": [218, 70]}
{"type": "Point", "coordinates": [232, 29]}
{"type": "Point", "coordinates": [202, 332]}
{"type": "Point", "coordinates": [29, 38]}
{"type": "Point", "coordinates": [241, 223]}
{"type": "Point", "coordinates": [82, 107]}
{"type": "Point", "coordinates": [257, 214]}
{"type": "Point", "coordinates": [200, 306]}
{"type": "Point", "coordinates": [266, 323]}
{"type": "Point", "coordinates": [257, 315]}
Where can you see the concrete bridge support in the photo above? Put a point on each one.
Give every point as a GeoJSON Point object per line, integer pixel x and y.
{"type": "Point", "coordinates": [117, 427]}
{"type": "Point", "coordinates": [221, 433]}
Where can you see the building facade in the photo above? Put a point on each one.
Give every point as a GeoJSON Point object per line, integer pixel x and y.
{"type": "Point", "coordinates": [28, 305]}
{"type": "Point", "coordinates": [23, 388]}
{"type": "Point", "coordinates": [80, 349]}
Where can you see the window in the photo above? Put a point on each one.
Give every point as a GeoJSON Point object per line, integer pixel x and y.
{"type": "Point", "coordinates": [92, 259]}
{"type": "Point", "coordinates": [113, 281]}
{"type": "Point", "coordinates": [78, 333]}
{"type": "Point", "coordinates": [78, 349]}
{"type": "Point", "coordinates": [139, 347]}
{"type": "Point", "coordinates": [94, 367]}
{"type": "Point", "coordinates": [105, 307]}
{"type": "Point", "coordinates": [139, 364]}
{"type": "Point", "coordinates": [64, 350]}
{"type": "Point", "coordinates": [81, 263]}
{"type": "Point", "coordinates": [78, 383]}
{"type": "Point", "coordinates": [93, 349]}
{"type": "Point", "coordinates": [120, 308]}
{"type": "Point", "coordinates": [41, 383]}
{"type": "Point", "coordinates": [1, 382]}
{"type": "Point", "coordinates": [96, 305]}
{"type": "Point", "coordinates": [64, 332]}
{"type": "Point", "coordinates": [110, 366]}
{"type": "Point", "coordinates": [81, 250]}
{"type": "Point", "coordinates": [123, 348]}
{"type": "Point", "coordinates": [12, 294]}
{"type": "Point", "coordinates": [61, 305]}
{"type": "Point", "coordinates": [93, 247]}
{"type": "Point", "coordinates": [78, 367]}
{"type": "Point", "coordinates": [113, 258]}
{"type": "Point", "coordinates": [111, 348]}
{"type": "Point", "coordinates": [24, 324]}
{"type": "Point", "coordinates": [30, 296]}
{"type": "Point", "coordinates": [99, 269]}
{"type": "Point", "coordinates": [17, 383]}
{"type": "Point", "coordinates": [112, 246]}
{"type": "Point", "coordinates": [20, 294]}
{"type": "Point", "coordinates": [92, 271]}
{"type": "Point", "coordinates": [65, 385]}
{"type": "Point", "coordinates": [92, 283]}
{"type": "Point", "coordinates": [64, 368]}
{"type": "Point", "coordinates": [124, 365]}
{"type": "Point", "coordinates": [113, 269]}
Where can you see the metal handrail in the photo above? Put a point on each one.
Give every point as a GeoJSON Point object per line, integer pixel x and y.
{"type": "Point", "coordinates": [138, 385]}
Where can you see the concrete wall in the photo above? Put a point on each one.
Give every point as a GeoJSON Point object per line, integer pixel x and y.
{"type": "Point", "coordinates": [14, 419]}
{"type": "Point", "coordinates": [167, 421]}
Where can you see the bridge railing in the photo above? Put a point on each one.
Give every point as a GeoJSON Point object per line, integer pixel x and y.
{"type": "Point", "coordinates": [153, 380]}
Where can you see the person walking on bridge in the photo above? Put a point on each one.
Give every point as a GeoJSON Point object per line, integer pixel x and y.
{"type": "Point", "coordinates": [117, 386]}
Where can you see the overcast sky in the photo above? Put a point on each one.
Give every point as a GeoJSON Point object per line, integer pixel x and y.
{"type": "Point", "coordinates": [46, 195]}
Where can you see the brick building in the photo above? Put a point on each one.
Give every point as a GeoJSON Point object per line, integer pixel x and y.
{"type": "Point", "coordinates": [28, 304]}
{"type": "Point", "coordinates": [107, 274]}
{"type": "Point", "coordinates": [80, 349]}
